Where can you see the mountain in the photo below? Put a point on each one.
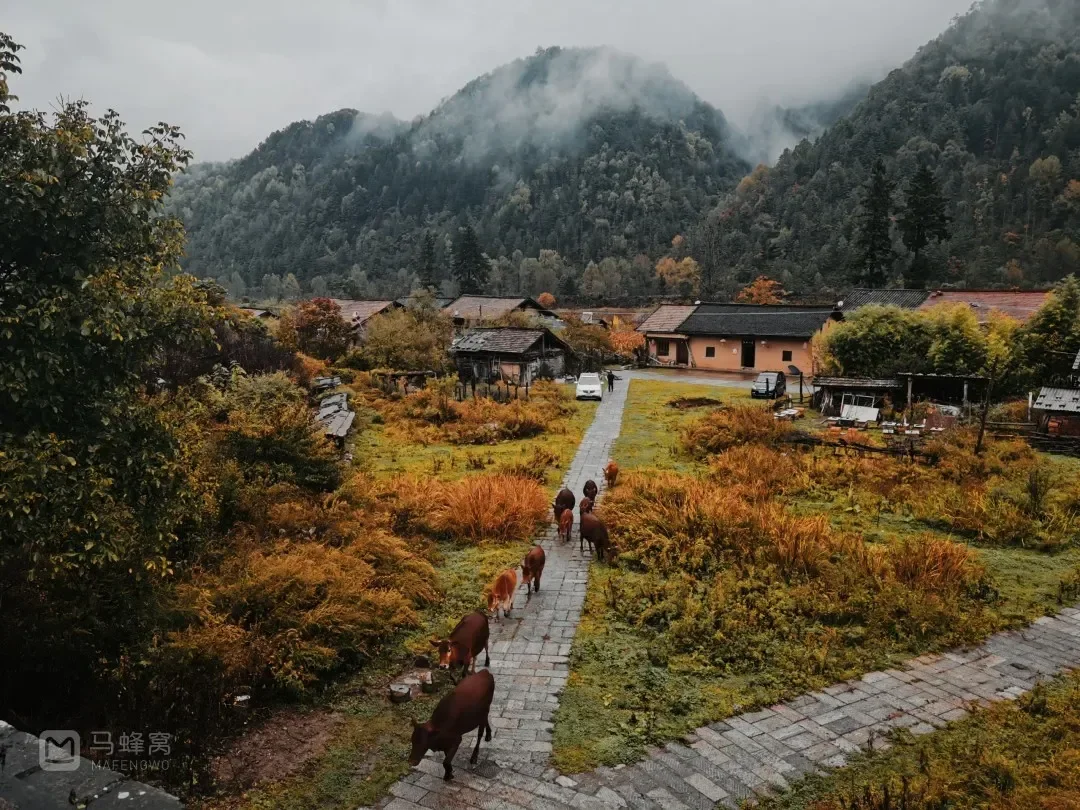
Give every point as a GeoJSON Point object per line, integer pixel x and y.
{"type": "Point", "coordinates": [773, 129]}
{"type": "Point", "coordinates": [588, 152]}
{"type": "Point", "coordinates": [992, 107]}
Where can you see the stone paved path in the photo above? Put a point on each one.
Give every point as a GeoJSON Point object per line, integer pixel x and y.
{"type": "Point", "coordinates": [723, 763]}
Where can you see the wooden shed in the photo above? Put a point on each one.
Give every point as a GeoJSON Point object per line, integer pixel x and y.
{"type": "Point", "coordinates": [504, 353]}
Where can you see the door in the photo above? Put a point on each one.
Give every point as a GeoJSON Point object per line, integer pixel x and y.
{"type": "Point", "coordinates": [682, 353]}
{"type": "Point", "coordinates": [748, 352]}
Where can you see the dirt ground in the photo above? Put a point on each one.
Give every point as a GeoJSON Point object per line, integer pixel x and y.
{"type": "Point", "coordinates": [275, 748]}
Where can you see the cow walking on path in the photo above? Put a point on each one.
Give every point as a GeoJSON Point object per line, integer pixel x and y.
{"type": "Point", "coordinates": [532, 567]}
{"type": "Point", "coordinates": [464, 644]}
{"type": "Point", "coordinates": [595, 533]}
{"type": "Point", "coordinates": [566, 524]}
{"type": "Point", "coordinates": [500, 595]}
{"type": "Point", "coordinates": [457, 714]}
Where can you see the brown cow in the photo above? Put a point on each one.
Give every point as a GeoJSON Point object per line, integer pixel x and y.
{"type": "Point", "coordinates": [586, 505]}
{"type": "Point", "coordinates": [501, 593]}
{"type": "Point", "coordinates": [457, 714]}
{"type": "Point", "coordinates": [590, 489]}
{"type": "Point", "coordinates": [595, 533]}
{"type": "Point", "coordinates": [563, 501]}
{"type": "Point", "coordinates": [532, 567]}
{"type": "Point", "coordinates": [464, 644]}
{"type": "Point", "coordinates": [566, 523]}
{"type": "Point", "coordinates": [611, 473]}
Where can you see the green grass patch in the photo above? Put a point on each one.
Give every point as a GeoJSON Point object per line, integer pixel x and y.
{"type": "Point", "coordinates": [651, 426]}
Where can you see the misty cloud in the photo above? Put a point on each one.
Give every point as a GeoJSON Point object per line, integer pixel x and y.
{"type": "Point", "coordinates": [231, 72]}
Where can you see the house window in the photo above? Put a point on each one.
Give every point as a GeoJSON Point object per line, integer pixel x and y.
{"type": "Point", "coordinates": [710, 351]}
{"type": "Point", "coordinates": [663, 347]}
{"type": "Point", "coordinates": [787, 357]}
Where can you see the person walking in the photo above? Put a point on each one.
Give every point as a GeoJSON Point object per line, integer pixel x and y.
{"type": "Point", "coordinates": [610, 380]}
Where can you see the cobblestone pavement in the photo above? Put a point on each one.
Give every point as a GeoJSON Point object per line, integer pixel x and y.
{"type": "Point", "coordinates": [723, 763]}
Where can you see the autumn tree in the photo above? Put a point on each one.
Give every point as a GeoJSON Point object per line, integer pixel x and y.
{"type": "Point", "coordinates": [683, 276]}
{"type": "Point", "coordinates": [546, 300]}
{"type": "Point", "coordinates": [873, 241]}
{"type": "Point", "coordinates": [923, 221]}
{"type": "Point", "coordinates": [317, 328]}
{"type": "Point", "coordinates": [762, 290]}
{"type": "Point", "coordinates": [624, 337]}
{"type": "Point", "coordinates": [470, 266]}
{"type": "Point", "coordinates": [411, 339]}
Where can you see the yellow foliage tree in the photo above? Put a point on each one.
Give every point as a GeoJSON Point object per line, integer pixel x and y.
{"type": "Point", "coordinates": [685, 274]}
{"type": "Point", "coordinates": [762, 290]}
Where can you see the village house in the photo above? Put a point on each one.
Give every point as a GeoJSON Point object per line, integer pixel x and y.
{"type": "Point", "coordinates": [473, 310]}
{"type": "Point", "coordinates": [1056, 409]}
{"type": "Point", "coordinates": [261, 314]}
{"type": "Point", "coordinates": [358, 312]}
{"type": "Point", "coordinates": [503, 353]}
{"type": "Point", "coordinates": [736, 337]}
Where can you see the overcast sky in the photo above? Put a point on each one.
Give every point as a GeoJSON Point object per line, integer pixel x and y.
{"type": "Point", "coordinates": [229, 72]}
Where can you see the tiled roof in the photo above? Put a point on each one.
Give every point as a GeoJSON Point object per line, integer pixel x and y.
{"type": "Point", "coordinates": [1076, 362]}
{"type": "Point", "coordinates": [439, 303]}
{"type": "Point", "coordinates": [477, 307]}
{"type": "Point", "coordinates": [1063, 400]}
{"type": "Point", "coordinates": [1019, 304]}
{"type": "Point", "coordinates": [854, 382]}
{"type": "Point", "coordinates": [668, 318]}
{"type": "Point", "coordinates": [504, 340]}
{"type": "Point", "coordinates": [906, 299]}
{"type": "Point", "coordinates": [752, 320]}
{"type": "Point", "coordinates": [358, 312]}
{"type": "Point", "coordinates": [258, 313]}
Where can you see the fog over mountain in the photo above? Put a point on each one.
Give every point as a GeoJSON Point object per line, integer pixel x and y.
{"type": "Point", "coordinates": [229, 73]}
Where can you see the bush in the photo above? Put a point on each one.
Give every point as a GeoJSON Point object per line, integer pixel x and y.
{"type": "Point", "coordinates": [728, 427]}
{"type": "Point", "coordinates": [475, 509]}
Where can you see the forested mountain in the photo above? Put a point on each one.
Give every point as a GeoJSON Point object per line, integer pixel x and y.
{"type": "Point", "coordinates": [991, 108]}
{"type": "Point", "coordinates": [587, 152]}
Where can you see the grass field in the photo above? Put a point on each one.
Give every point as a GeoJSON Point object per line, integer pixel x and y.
{"type": "Point", "coordinates": [625, 693]}
{"type": "Point", "coordinates": [386, 456]}
{"type": "Point", "coordinates": [650, 428]}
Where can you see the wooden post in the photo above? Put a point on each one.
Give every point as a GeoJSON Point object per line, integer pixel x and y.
{"type": "Point", "coordinates": [965, 403]}
{"type": "Point", "coordinates": [910, 403]}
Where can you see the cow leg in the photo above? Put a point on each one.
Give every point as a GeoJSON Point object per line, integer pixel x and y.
{"type": "Point", "coordinates": [538, 583]}
{"type": "Point", "coordinates": [487, 657]}
{"type": "Point", "coordinates": [448, 762]}
{"type": "Point", "coordinates": [479, 736]}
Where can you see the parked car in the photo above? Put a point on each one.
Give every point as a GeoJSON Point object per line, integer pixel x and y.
{"type": "Point", "coordinates": [590, 386]}
{"type": "Point", "coordinates": [769, 385]}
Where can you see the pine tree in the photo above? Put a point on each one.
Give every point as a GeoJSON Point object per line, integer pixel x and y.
{"type": "Point", "coordinates": [470, 266]}
{"type": "Point", "coordinates": [427, 271]}
{"type": "Point", "coordinates": [922, 221]}
{"type": "Point", "coordinates": [872, 241]}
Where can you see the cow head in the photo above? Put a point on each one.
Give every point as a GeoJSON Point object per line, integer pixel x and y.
{"type": "Point", "coordinates": [449, 652]}
{"type": "Point", "coordinates": [421, 743]}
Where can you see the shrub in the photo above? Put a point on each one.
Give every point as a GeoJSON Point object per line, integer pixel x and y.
{"type": "Point", "coordinates": [728, 427]}
{"type": "Point", "coordinates": [932, 564]}
{"type": "Point", "coordinates": [490, 508]}
{"type": "Point", "coordinates": [475, 509]}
